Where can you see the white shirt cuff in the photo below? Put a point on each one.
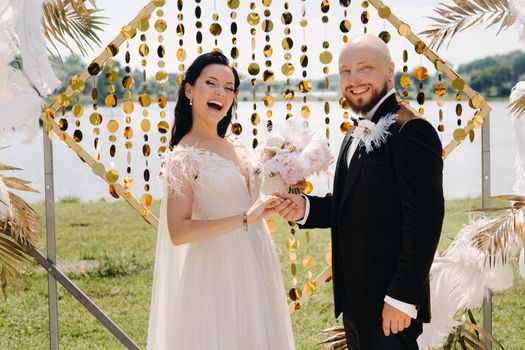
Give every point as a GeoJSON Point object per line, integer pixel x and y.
{"type": "Point", "coordinates": [408, 309]}
{"type": "Point", "coordinates": [306, 212]}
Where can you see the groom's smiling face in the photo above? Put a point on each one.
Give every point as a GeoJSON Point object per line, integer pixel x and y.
{"type": "Point", "coordinates": [365, 72]}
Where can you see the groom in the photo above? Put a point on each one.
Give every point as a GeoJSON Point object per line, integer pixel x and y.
{"type": "Point", "coordinates": [386, 210]}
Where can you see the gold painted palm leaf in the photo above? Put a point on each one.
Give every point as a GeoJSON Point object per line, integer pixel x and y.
{"type": "Point", "coordinates": [18, 227]}
{"type": "Point", "coordinates": [467, 336]}
{"type": "Point", "coordinates": [504, 236]}
{"type": "Point", "coordinates": [463, 14]}
{"type": "Point", "coordinates": [72, 20]}
{"type": "Point", "coordinates": [336, 339]}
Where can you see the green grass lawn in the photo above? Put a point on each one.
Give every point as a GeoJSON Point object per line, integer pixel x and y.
{"type": "Point", "coordinates": [114, 234]}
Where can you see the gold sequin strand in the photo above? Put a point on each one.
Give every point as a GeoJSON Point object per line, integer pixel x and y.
{"type": "Point", "coordinates": [77, 86]}
{"type": "Point", "coordinates": [305, 85]}
{"type": "Point", "coordinates": [128, 82]}
{"type": "Point", "coordinates": [236, 127]}
{"type": "Point", "coordinates": [253, 69]}
{"type": "Point", "coordinates": [365, 15]}
{"type": "Point", "coordinates": [95, 118]}
{"type": "Point", "coordinates": [287, 68]}
{"type": "Point", "coordinates": [268, 74]}
{"type": "Point", "coordinates": [288, 94]}
{"type": "Point", "coordinates": [64, 101]}
{"type": "Point", "coordinates": [198, 25]}
{"type": "Point", "coordinates": [384, 13]}
{"type": "Point", "coordinates": [475, 102]}
{"type": "Point", "coordinates": [161, 77]}
{"type": "Point", "coordinates": [345, 26]}
{"type": "Point", "coordinates": [112, 125]}
{"type": "Point", "coordinates": [326, 57]}
{"type": "Point", "coordinates": [215, 27]}
{"type": "Point", "coordinates": [440, 90]}
{"type": "Point", "coordinates": [292, 246]}
{"type": "Point", "coordinates": [404, 80]}
{"type": "Point", "coordinates": [234, 52]}
{"type": "Point", "coordinates": [181, 52]}
{"type": "Point", "coordinates": [459, 134]}
{"type": "Point", "coordinates": [310, 286]}
{"type": "Point", "coordinates": [421, 73]}
{"type": "Point", "coordinates": [145, 101]}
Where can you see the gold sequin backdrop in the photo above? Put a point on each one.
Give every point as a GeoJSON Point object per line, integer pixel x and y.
{"type": "Point", "coordinates": [268, 41]}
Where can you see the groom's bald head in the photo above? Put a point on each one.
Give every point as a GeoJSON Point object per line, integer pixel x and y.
{"type": "Point", "coordinates": [368, 42]}
{"type": "Point", "coordinates": [366, 72]}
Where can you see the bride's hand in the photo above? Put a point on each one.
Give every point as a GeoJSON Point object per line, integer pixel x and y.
{"type": "Point", "coordinates": [263, 207]}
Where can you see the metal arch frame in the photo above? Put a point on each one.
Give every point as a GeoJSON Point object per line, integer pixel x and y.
{"type": "Point", "coordinates": [50, 127]}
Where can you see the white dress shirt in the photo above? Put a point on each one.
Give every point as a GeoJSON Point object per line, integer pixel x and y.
{"type": "Point", "coordinates": [408, 309]}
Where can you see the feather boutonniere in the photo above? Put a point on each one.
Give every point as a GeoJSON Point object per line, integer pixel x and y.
{"type": "Point", "coordinates": [373, 135]}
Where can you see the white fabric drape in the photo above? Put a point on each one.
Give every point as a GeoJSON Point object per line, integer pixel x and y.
{"type": "Point", "coordinates": [21, 32]}
{"type": "Point", "coordinates": [169, 260]}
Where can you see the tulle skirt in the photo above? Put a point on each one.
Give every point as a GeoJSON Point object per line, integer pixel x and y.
{"type": "Point", "coordinates": [230, 296]}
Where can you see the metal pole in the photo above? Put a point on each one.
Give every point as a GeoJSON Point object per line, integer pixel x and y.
{"type": "Point", "coordinates": [485, 193]}
{"type": "Point", "coordinates": [50, 240]}
{"type": "Point", "coordinates": [81, 297]}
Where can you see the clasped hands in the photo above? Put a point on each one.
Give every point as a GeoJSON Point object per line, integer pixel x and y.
{"type": "Point", "coordinates": [290, 206]}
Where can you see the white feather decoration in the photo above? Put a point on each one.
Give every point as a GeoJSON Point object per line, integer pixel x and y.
{"type": "Point", "coordinates": [8, 45]}
{"type": "Point", "coordinates": [21, 31]}
{"type": "Point", "coordinates": [373, 135]}
{"type": "Point", "coordinates": [5, 203]}
{"type": "Point", "coordinates": [517, 8]}
{"type": "Point", "coordinates": [32, 46]}
{"type": "Point", "coordinates": [459, 279]}
{"type": "Point", "coordinates": [20, 106]}
{"type": "Point", "coordinates": [518, 91]}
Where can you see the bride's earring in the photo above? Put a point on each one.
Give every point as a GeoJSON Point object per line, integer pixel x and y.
{"type": "Point", "coordinates": [191, 104]}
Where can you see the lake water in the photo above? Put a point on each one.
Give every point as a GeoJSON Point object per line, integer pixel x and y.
{"type": "Point", "coordinates": [462, 174]}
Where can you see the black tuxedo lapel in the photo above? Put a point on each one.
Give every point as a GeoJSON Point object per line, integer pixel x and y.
{"type": "Point", "coordinates": [390, 105]}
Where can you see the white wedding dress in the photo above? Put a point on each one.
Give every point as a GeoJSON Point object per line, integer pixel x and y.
{"type": "Point", "coordinates": [226, 293]}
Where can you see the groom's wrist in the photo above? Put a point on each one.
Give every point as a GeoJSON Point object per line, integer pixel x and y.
{"type": "Point", "coordinates": [306, 212]}
{"type": "Point", "coordinates": [409, 309]}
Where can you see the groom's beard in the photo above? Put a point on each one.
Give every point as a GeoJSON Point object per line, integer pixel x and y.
{"type": "Point", "coordinates": [364, 109]}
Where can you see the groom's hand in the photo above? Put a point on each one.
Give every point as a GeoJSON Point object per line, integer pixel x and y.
{"type": "Point", "coordinates": [292, 208]}
{"type": "Point", "coordinates": [394, 320]}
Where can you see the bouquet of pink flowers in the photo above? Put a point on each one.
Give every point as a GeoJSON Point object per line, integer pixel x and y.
{"type": "Point", "coordinates": [292, 155]}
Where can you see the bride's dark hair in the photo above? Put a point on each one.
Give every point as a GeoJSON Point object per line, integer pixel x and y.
{"type": "Point", "coordinates": [183, 117]}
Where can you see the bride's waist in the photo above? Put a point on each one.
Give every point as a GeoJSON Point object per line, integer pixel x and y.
{"type": "Point", "coordinates": [254, 231]}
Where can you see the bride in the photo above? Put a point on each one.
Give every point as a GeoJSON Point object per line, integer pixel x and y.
{"type": "Point", "coordinates": [217, 283]}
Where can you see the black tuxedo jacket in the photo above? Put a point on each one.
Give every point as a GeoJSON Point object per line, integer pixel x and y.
{"type": "Point", "coordinates": [386, 214]}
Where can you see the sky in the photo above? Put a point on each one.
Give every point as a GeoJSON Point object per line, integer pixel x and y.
{"type": "Point", "coordinates": [466, 46]}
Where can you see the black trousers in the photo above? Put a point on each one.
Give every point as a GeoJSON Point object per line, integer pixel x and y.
{"type": "Point", "coordinates": [373, 337]}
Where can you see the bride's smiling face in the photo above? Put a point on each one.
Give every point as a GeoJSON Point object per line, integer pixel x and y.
{"type": "Point", "coordinates": [213, 93]}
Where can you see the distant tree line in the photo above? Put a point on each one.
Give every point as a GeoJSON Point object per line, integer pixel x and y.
{"type": "Point", "coordinates": [492, 76]}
